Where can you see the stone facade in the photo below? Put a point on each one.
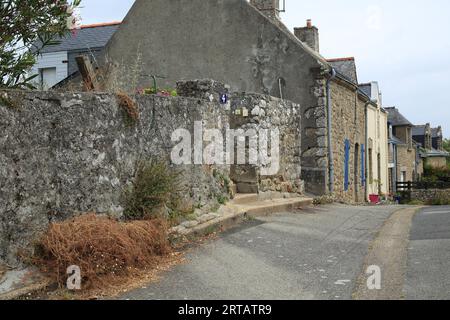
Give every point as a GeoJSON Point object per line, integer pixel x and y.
{"type": "Point", "coordinates": [64, 154]}
{"type": "Point", "coordinates": [348, 123]}
{"type": "Point", "coordinates": [420, 168]}
{"type": "Point", "coordinates": [406, 163]}
{"type": "Point", "coordinates": [234, 44]}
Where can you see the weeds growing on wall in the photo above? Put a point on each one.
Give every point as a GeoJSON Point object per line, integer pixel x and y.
{"type": "Point", "coordinates": [441, 201]}
{"type": "Point", "coordinates": [225, 183]}
{"type": "Point", "coordinates": [158, 92]}
{"type": "Point", "coordinates": [323, 200]}
{"type": "Point", "coordinates": [103, 248]}
{"type": "Point", "coordinates": [154, 189]}
{"type": "Point", "coordinates": [6, 100]}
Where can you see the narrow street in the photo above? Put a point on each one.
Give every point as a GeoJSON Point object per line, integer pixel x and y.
{"type": "Point", "coordinates": [318, 253]}
{"type": "Point", "coordinates": [428, 275]}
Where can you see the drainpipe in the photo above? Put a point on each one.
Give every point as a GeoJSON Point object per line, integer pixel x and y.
{"type": "Point", "coordinates": [329, 124]}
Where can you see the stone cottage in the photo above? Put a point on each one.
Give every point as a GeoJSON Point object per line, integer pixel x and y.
{"type": "Point", "coordinates": [431, 149]}
{"type": "Point", "coordinates": [403, 151]}
{"type": "Point", "coordinates": [244, 44]}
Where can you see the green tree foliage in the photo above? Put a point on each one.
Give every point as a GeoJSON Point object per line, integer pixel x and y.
{"type": "Point", "coordinates": [447, 148]}
{"type": "Point", "coordinates": [447, 144]}
{"type": "Point", "coordinates": [26, 26]}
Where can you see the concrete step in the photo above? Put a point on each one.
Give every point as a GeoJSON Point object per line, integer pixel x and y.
{"type": "Point", "coordinates": [246, 206]}
{"type": "Point", "coordinates": [268, 207]}
{"type": "Point", "coordinates": [244, 198]}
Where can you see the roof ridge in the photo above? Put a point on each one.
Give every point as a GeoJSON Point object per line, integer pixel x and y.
{"type": "Point", "coordinates": [341, 59]}
{"type": "Point", "coordinates": [101, 24]}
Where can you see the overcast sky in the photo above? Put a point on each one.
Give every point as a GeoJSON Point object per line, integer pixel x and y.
{"type": "Point", "coordinates": [402, 44]}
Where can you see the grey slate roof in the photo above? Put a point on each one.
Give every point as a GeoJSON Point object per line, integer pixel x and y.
{"type": "Point", "coordinates": [435, 132]}
{"type": "Point", "coordinates": [418, 130]}
{"type": "Point", "coordinates": [433, 153]}
{"type": "Point", "coordinates": [95, 36]}
{"type": "Point", "coordinates": [346, 67]}
{"type": "Point", "coordinates": [366, 88]}
{"type": "Point", "coordinates": [395, 118]}
{"type": "Point", "coordinates": [395, 140]}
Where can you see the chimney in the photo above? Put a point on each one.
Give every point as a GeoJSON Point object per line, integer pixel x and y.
{"type": "Point", "coordinates": [308, 35]}
{"type": "Point", "coordinates": [428, 137]}
{"type": "Point", "coordinates": [269, 8]}
{"type": "Point", "coordinates": [440, 142]}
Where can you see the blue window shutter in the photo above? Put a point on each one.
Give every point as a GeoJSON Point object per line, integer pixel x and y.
{"type": "Point", "coordinates": [363, 165]}
{"type": "Point", "coordinates": [346, 169]}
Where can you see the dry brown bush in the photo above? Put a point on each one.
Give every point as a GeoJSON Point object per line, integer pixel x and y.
{"type": "Point", "coordinates": [103, 248]}
{"type": "Point", "coordinates": [128, 105]}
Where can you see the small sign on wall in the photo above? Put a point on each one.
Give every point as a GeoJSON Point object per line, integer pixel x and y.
{"type": "Point", "coordinates": [223, 98]}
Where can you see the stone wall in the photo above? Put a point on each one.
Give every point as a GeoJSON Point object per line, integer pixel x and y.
{"type": "Point", "coordinates": [430, 195]}
{"type": "Point", "coordinates": [348, 123]}
{"type": "Point", "coordinates": [268, 113]}
{"type": "Point", "coordinates": [436, 162]}
{"type": "Point", "coordinates": [254, 112]}
{"type": "Point", "coordinates": [65, 154]}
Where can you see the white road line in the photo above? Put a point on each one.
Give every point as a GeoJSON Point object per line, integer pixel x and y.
{"type": "Point", "coordinates": [435, 212]}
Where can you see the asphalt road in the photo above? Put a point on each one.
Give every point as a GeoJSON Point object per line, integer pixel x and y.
{"type": "Point", "coordinates": [428, 267]}
{"type": "Point", "coordinates": [316, 254]}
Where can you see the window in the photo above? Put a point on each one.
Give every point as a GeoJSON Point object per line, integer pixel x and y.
{"type": "Point", "coordinates": [363, 167]}
{"type": "Point", "coordinates": [403, 176]}
{"type": "Point", "coordinates": [47, 78]}
{"type": "Point", "coordinates": [370, 166]}
{"type": "Point", "coordinates": [391, 180]}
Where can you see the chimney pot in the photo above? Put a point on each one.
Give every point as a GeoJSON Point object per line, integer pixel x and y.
{"type": "Point", "coordinates": [309, 23]}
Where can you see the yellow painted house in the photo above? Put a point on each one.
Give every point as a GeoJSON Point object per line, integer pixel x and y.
{"type": "Point", "coordinates": [377, 142]}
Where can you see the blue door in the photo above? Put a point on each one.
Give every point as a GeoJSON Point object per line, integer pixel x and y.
{"type": "Point", "coordinates": [363, 167]}
{"type": "Point", "coordinates": [346, 164]}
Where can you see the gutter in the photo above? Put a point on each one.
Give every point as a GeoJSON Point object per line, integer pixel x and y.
{"type": "Point", "coordinates": [329, 125]}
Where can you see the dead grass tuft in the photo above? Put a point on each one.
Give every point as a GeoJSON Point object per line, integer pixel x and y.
{"type": "Point", "coordinates": [128, 105]}
{"type": "Point", "coordinates": [103, 248]}
{"type": "Point", "coordinates": [3, 270]}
